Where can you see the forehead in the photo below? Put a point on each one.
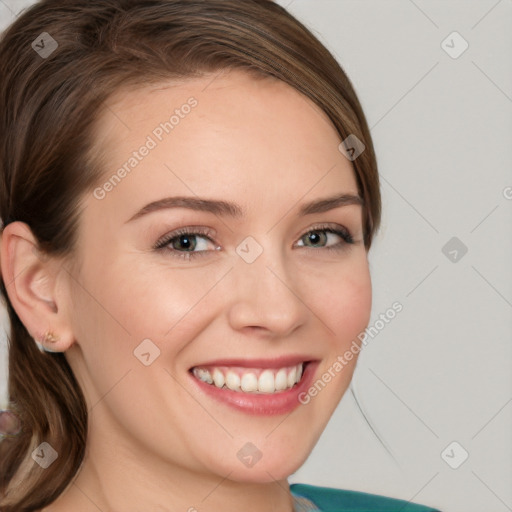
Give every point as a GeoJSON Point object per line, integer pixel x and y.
{"type": "Point", "coordinates": [230, 134]}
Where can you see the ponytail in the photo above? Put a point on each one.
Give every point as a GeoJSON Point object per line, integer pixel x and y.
{"type": "Point", "coordinates": [46, 398]}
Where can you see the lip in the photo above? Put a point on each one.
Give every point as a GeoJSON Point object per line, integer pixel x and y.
{"type": "Point", "coordinates": [278, 362]}
{"type": "Point", "coordinates": [261, 404]}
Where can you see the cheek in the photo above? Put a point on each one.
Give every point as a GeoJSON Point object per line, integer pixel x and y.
{"type": "Point", "coordinates": [129, 301]}
{"type": "Point", "coordinates": [344, 301]}
{"type": "Point", "coordinates": [142, 300]}
{"type": "Point", "coordinates": [344, 307]}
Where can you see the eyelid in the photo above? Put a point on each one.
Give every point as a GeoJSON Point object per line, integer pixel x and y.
{"type": "Point", "coordinates": [188, 230]}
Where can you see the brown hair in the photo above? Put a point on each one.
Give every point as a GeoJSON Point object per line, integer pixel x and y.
{"type": "Point", "coordinates": [48, 105]}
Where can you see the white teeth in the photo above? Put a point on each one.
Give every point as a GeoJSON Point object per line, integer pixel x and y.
{"type": "Point", "coordinates": [292, 377]}
{"type": "Point", "coordinates": [281, 380]}
{"type": "Point", "coordinates": [247, 380]}
{"type": "Point", "coordinates": [232, 381]}
{"type": "Point", "coordinates": [266, 382]}
{"type": "Point", "coordinates": [218, 378]}
{"type": "Point", "coordinates": [203, 375]}
{"type": "Point", "coordinates": [299, 372]}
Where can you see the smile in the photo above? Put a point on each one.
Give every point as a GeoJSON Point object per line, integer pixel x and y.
{"type": "Point", "coordinates": [250, 380]}
{"type": "Point", "coordinates": [256, 386]}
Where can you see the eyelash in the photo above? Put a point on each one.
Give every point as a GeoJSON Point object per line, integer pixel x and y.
{"type": "Point", "coordinates": [162, 244]}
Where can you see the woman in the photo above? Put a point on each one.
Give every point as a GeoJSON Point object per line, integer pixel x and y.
{"type": "Point", "coordinates": [189, 193]}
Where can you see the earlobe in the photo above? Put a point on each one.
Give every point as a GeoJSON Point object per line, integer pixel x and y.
{"type": "Point", "coordinates": [46, 342]}
{"type": "Point", "coordinates": [30, 279]}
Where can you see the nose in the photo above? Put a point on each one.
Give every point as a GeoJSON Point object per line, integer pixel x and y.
{"type": "Point", "coordinates": [265, 296]}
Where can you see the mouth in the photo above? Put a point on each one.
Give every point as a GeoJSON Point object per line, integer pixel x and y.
{"type": "Point", "coordinates": [261, 387]}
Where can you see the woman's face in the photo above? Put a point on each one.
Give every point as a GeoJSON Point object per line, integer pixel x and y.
{"type": "Point", "coordinates": [253, 290]}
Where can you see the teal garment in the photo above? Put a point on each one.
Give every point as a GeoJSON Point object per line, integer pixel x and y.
{"type": "Point", "coordinates": [310, 498]}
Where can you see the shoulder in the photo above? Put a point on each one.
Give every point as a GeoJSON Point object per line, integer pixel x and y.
{"type": "Point", "coordinates": [328, 499]}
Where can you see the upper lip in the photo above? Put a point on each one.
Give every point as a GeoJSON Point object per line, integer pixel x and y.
{"type": "Point", "coordinates": [277, 362]}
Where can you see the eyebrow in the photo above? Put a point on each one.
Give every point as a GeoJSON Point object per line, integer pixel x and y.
{"type": "Point", "coordinates": [225, 208]}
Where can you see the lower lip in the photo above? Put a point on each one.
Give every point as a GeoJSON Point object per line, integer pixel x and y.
{"type": "Point", "coordinates": [262, 404]}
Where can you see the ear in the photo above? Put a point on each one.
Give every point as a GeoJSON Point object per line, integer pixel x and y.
{"type": "Point", "coordinates": [37, 286]}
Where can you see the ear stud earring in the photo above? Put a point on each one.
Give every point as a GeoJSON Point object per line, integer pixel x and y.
{"type": "Point", "coordinates": [48, 338]}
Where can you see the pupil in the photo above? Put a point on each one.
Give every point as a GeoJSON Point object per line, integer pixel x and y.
{"type": "Point", "coordinates": [314, 237]}
{"type": "Point", "coordinates": [185, 241]}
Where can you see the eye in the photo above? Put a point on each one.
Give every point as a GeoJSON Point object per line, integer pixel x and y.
{"type": "Point", "coordinates": [320, 234]}
{"type": "Point", "coordinates": [185, 239]}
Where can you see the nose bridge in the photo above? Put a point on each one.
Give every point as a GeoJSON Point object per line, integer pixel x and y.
{"type": "Point", "coordinates": [264, 295]}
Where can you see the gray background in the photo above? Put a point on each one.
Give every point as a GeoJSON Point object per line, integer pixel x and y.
{"type": "Point", "coordinates": [441, 370]}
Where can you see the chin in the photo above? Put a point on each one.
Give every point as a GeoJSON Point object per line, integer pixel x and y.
{"type": "Point", "coordinates": [264, 466]}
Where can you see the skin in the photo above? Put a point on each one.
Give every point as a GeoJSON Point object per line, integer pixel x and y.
{"type": "Point", "coordinates": [154, 444]}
